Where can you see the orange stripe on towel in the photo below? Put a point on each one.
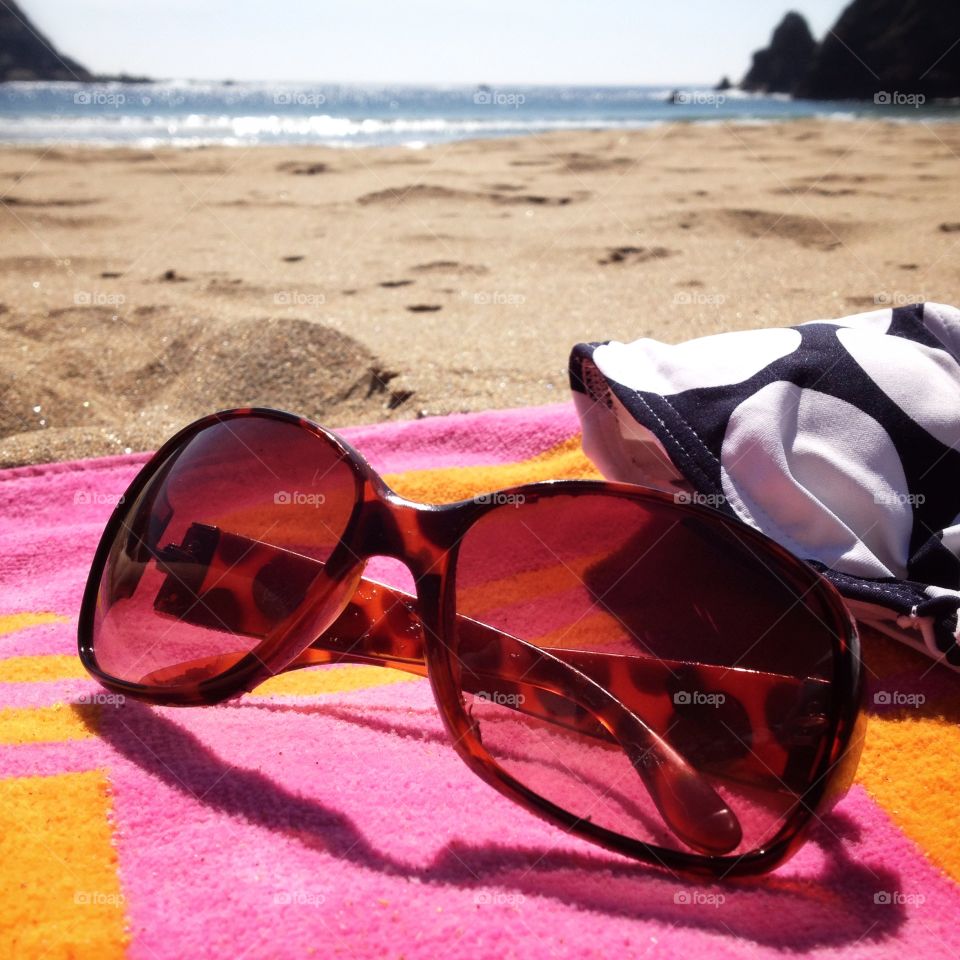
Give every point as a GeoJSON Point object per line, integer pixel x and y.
{"type": "Point", "coordinates": [907, 764]}
{"type": "Point", "coordinates": [59, 890]}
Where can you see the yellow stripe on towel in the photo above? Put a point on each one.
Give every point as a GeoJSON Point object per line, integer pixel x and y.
{"type": "Point", "coordinates": [12, 622]}
{"type": "Point", "coordinates": [60, 894]}
{"type": "Point", "coordinates": [48, 724]}
{"type": "Point", "coordinates": [565, 461]}
{"type": "Point", "coordinates": [319, 680]}
{"type": "Point", "coordinates": [55, 666]}
{"type": "Point", "coordinates": [911, 767]}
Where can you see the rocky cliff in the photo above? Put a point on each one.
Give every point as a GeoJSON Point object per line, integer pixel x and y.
{"type": "Point", "coordinates": [882, 50]}
{"type": "Point", "coordinates": [26, 54]}
{"type": "Point", "coordinates": [888, 46]}
{"type": "Point", "coordinates": [779, 67]}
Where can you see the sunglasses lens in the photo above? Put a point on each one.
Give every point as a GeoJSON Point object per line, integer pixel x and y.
{"type": "Point", "coordinates": [204, 568]}
{"type": "Point", "coordinates": [650, 670]}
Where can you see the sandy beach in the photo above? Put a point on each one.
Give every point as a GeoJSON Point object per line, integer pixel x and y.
{"type": "Point", "coordinates": [140, 289]}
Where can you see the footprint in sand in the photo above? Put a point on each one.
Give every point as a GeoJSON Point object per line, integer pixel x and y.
{"type": "Point", "coordinates": [424, 307]}
{"type": "Point", "coordinates": [377, 382]}
{"type": "Point", "coordinates": [171, 276]}
{"type": "Point", "coordinates": [37, 218]}
{"type": "Point", "coordinates": [811, 191]}
{"type": "Point", "coordinates": [812, 232]}
{"type": "Point", "coordinates": [533, 198]}
{"type": "Point", "coordinates": [423, 191]}
{"type": "Point", "coordinates": [634, 255]}
{"type": "Point", "coordinates": [431, 237]}
{"type": "Point", "coordinates": [398, 398]}
{"type": "Point", "coordinates": [418, 191]}
{"type": "Point", "coordinates": [303, 169]}
{"type": "Point", "coordinates": [188, 170]}
{"type": "Point", "coordinates": [842, 178]}
{"type": "Point", "coordinates": [377, 379]}
{"type": "Point", "coordinates": [451, 266]}
{"type": "Point", "coordinates": [263, 204]}
{"type": "Point", "coordinates": [589, 163]}
{"type": "Point", "coordinates": [867, 300]}
{"type": "Point", "coordinates": [52, 202]}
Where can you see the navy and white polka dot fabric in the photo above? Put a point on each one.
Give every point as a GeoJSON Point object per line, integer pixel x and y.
{"type": "Point", "coordinates": [840, 439]}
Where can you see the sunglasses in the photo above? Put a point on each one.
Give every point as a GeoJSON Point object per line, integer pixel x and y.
{"type": "Point", "coordinates": [645, 673]}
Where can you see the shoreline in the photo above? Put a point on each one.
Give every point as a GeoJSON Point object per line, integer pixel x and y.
{"type": "Point", "coordinates": [180, 114]}
{"type": "Point", "coordinates": [140, 288]}
{"type": "Point", "coordinates": [949, 117]}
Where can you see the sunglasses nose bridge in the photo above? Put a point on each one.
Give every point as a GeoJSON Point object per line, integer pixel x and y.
{"type": "Point", "coordinates": [412, 533]}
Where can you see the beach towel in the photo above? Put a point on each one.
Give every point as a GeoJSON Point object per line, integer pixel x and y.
{"type": "Point", "coordinates": [840, 439]}
{"type": "Point", "coordinates": [326, 815]}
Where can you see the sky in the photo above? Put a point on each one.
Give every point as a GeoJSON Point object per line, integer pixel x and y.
{"type": "Point", "coordinates": [421, 41]}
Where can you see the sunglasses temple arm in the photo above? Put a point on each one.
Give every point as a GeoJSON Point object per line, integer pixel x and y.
{"type": "Point", "coordinates": [381, 626]}
{"type": "Point", "coordinates": [687, 802]}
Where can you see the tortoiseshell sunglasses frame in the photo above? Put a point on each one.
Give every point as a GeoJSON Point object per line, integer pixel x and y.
{"type": "Point", "coordinates": [425, 537]}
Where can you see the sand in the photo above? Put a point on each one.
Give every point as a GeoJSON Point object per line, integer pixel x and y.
{"type": "Point", "coordinates": [140, 289]}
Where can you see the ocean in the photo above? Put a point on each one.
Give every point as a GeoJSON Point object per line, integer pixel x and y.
{"type": "Point", "coordinates": [184, 113]}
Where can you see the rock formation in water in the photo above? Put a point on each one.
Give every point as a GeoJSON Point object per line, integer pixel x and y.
{"type": "Point", "coordinates": [779, 67]}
